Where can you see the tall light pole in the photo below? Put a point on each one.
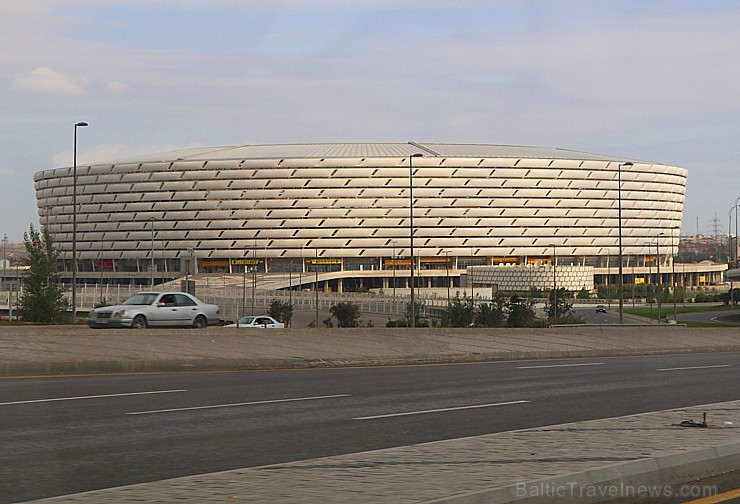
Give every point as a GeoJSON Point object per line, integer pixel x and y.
{"type": "Point", "coordinates": [254, 273]}
{"type": "Point", "coordinates": [447, 268]}
{"type": "Point", "coordinates": [411, 234]}
{"type": "Point", "coordinates": [393, 262]}
{"type": "Point", "coordinates": [737, 200]}
{"type": "Point", "coordinates": [80, 124]}
{"type": "Point", "coordinates": [621, 280]}
{"type": "Point", "coordinates": [470, 278]}
{"type": "Point", "coordinates": [660, 280]}
{"type": "Point", "coordinates": [673, 271]}
{"type": "Point", "coordinates": [554, 283]}
{"type": "Point", "coordinates": [316, 285]}
{"type": "Point", "coordinates": [5, 272]}
{"type": "Point", "coordinates": [151, 220]}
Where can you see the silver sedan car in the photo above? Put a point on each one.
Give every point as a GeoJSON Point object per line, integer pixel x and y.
{"type": "Point", "coordinates": [156, 309]}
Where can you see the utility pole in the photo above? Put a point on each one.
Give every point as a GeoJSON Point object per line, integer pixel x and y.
{"type": "Point", "coordinates": [5, 260]}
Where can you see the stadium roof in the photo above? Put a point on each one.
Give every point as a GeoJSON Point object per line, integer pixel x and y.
{"type": "Point", "coordinates": [360, 150]}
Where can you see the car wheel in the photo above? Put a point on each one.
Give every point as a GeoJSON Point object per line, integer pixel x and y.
{"type": "Point", "coordinates": [200, 322]}
{"type": "Point", "coordinates": [139, 322]}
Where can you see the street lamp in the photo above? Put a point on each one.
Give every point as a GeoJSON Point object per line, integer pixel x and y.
{"type": "Point", "coordinates": [660, 280]}
{"type": "Point", "coordinates": [554, 284]}
{"type": "Point", "coordinates": [80, 124]}
{"type": "Point", "coordinates": [393, 263]}
{"type": "Point", "coordinates": [447, 269]}
{"type": "Point", "coordinates": [673, 270]}
{"type": "Point", "coordinates": [5, 273]}
{"type": "Point", "coordinates": [736, 203]}
{"type": "Point", "coordinates": [411, 234]}
{"type": "Point", "coordinates": [151, 219]}
{"type": "Point", "coordinates": [621, 280]}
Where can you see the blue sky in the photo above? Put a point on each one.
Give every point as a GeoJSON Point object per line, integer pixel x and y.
{"type": "Point", "coordinates": [649, 80]}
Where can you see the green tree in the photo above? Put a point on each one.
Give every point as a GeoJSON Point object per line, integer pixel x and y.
{"type": "Point", "coordinates": [584, 294]}
{"type": "Point", "coordinates": [459, 312]}
{"type": "Point", "coordinates": [420, 319]}
{"type": "Point", "coordinates": [493, 314]}
{"type": "Point", "coordinates": [282, 311]}
{"type": "Point", "coordinates": [562, 304]}
{"type": "Point", "coordinates": [347, 314]}
{"type": "Point", "coordinates": [43, 295]}
{"type": "Point", "coordinates": [521, 312]}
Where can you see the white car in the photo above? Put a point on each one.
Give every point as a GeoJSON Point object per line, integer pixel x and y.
{"type": "Point", "coordinates": [260, 321]}
{"type": "Point", "coordinates": [156, 309]}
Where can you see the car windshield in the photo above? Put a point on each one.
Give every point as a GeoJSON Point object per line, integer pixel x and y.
{"type": "Point", "coordinates": [246, 320]}
{"type": "Point", "coordinates": [141, 299]}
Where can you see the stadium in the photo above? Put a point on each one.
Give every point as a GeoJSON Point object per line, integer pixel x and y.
{"type": "Point", "coordinates": [346, 211]}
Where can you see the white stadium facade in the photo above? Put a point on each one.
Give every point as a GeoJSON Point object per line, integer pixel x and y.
{"type": "Point", "coordinates": [344, 210]}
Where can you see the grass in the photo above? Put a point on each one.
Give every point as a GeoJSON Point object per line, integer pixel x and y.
{"type": "Point", "coordinates": [668, 309]}
{"type": "Point", "coordinates": [689, 323]}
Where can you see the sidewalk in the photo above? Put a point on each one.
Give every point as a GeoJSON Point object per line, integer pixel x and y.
{"type": "Point", "coordinates": [575, 462]}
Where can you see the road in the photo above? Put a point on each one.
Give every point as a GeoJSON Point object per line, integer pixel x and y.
{"type": "Point", "coordinates": [69, 434]}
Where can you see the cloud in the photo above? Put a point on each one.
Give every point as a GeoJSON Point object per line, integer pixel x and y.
{"type": "Point", "coordinates": [6, 172]}
{"type": "Point", "coordinates": [116, 87]}
{"type": "Point", "coordinates": [44, 80]}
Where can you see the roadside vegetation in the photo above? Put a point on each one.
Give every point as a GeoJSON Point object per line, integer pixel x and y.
{"type": "Point", "coordinates": [42, 300]}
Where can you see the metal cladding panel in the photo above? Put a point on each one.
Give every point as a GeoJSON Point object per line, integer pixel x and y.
{"type": "Point", "coordinates": [490, 196]}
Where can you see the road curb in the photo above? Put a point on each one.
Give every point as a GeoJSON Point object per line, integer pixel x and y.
{"type": "Point", "coordinates": [622, 480]}
{"type": "Point", "coordinates": [51, 368]}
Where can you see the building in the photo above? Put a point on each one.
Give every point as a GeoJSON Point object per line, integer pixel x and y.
{"type": "Point", "coordinates": [343, 210]}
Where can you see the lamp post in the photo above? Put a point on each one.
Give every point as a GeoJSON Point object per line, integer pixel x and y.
{"type": "Point", "coordinates": [737, 200]}
{"type": "Point", "coordinates": [736, 204]}
{"type": "Point", "coordinates": [470, 278]}
{"type": "Point", "coordinates": [80, 124]}
{"type": "Point", "coordinates": [316, 285]}
{"type": "Point", "coordinates": [621, 280]}
{"type": "Point", "coordinates": [254, 274]}
{"type": "Point", "coordinates": [660, 280]}
{"type": "Point", "coordinates": [411, 235]}
{"type": "Point", "coordinates": [674, 253]}
{"type": "Point", "coordinates": [244, 286]}
{"type": "Point", "coordinates": [554, 284]}
{"type": "Point", "coordinates": [608, 274]}
{"type": "Point", "coordinates": [447, 269]}
{"type": "Point", "coordinates": [649, 291]}
{"type": "Point", "coordinates": [151, 220]}
{"type": "Point", "coordinates": [5, 272]}
{"type": "Point", "coordinates": [393, 263]}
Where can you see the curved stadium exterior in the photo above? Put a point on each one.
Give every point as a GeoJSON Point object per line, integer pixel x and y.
{"type": "Point", "coordinates": [344, 209]}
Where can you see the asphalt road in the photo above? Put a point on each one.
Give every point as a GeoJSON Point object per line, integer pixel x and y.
{"type": "Point", "coordinates": [70, 434]}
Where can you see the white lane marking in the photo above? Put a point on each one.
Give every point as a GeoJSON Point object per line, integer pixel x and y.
{"type": "Point", "coordinates": [562, 365]}
{"type": "Point", "coordinates": [422, 412]}
{"type": "Point", "coordinates": [694, 367]}
{"type": "Point", "coordinates": [237, 404]}
{"type": "Point", "coordinates": [92, 397]}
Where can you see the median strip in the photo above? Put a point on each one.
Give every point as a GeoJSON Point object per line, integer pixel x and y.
{"type": "Point", "coordinates": [233, 405]}
{"type": "Point", "coordinates": [438, 410]}
{"type": "Point", "coordinates": [92, 397]}
{"type": "Point", "coordinates": [561, 365]}
{"type": "Point", "coordinates": [694, 367]}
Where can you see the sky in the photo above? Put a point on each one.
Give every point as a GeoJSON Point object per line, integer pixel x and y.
{"type": "Point", "coordinates": [651, 80]}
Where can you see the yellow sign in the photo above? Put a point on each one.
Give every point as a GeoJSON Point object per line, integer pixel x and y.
{"type": "Point", "coordinates": [324, 261]}
{"type": "Point", "coordinates": [639, 281]}
{"type": "Point", "coordinates": [248, 262]}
